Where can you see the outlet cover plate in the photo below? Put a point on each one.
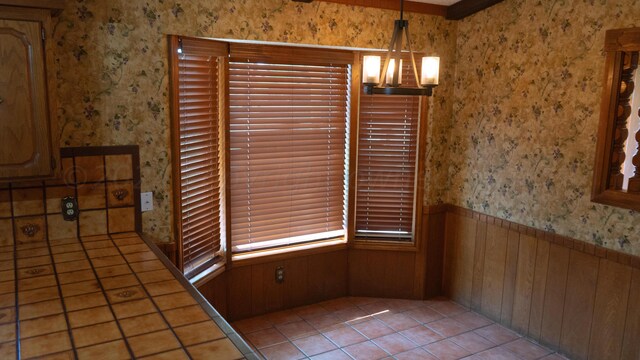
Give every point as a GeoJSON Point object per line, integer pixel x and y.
{"type": "Point", "coordinates": [146, 200]}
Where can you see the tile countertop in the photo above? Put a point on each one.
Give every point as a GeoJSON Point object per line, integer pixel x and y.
{"type": "Point", "coordinates": [105, 297]}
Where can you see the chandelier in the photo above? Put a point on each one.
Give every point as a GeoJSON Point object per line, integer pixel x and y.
{"type": "Point", "coordinates": [391, 81]}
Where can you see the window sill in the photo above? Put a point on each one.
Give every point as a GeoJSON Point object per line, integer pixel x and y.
{"type": "Point", "coordinates": [286, 252]}
{"type": "Point", "coordinates": [208, 274]}
{"type": "Point", "coordinates": [377, 244]}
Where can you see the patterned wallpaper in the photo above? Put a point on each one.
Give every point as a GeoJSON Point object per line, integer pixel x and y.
{"type": "Point", "coordinates": [526, 107]}
{"type": "Point", "coordinates": [112, 69]}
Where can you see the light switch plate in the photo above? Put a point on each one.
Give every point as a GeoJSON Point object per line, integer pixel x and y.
{"type": "Point", "coordinates": [146, 199]}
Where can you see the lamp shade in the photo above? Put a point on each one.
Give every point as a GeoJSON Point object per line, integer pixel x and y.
{"type": "Point", "coordinates": [371, 69]}
{"type": "Point", "coordinates": [391, 69]}
{"type": "Point", "coordinates": [430, 70]}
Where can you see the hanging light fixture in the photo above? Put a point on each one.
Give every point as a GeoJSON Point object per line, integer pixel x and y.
{"type": "Point", "coordinates": [390, 83]}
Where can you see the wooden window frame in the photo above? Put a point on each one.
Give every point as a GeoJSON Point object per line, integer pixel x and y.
{"type": "Point", "coordinates": [349, 240]}
{"type": "Point", "coordinates": [219, 266]}
{"type": "Point", "coordinates": [374, 243]}
{"type": "Point", "coordinates": [612, 131]}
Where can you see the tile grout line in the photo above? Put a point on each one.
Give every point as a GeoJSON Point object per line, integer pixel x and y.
{"type": "Point", "coordinates": [144, 289]}
{"type": "Point", "coordinates": [55, 273]}
{"type": "Point", "coordinates": [93, 269]}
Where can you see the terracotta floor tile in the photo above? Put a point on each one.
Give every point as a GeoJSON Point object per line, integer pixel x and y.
{"type": "Point", "coordinates": [373, 328]}
{"type": "Point", "coordinates": [398, 322]}
{"type": "Point", "coordinates": [185, 315]}
{"type": "Point", "coordinates": [266, 337]}
{"type": "Point", "coordinates": [112, 350]}
{"type": "Point", "coordinates": [310, 311]}
{"type": "Point", "coordinates": [326, 322]}
{"type": "Point", "coordinates": [395, 343]}
{"type": "Point", "coordinates": [472, 320]}
{"type": "Point", "coordinates": [90, 316]}
{"type": "Point", "coordinates": [421, 335]}
{"type": "Point", "coordinates": [199, 333]}
{"type": "Point", "coordinates": [314, 345]}
{"type": "Point", "coordinates": [495, 354]}
{"type": "Point", "coordinates": [142, 324]}
{"type": "Point", "coordinates": [472, 342]}
{"type": "Point", "coordinates": [223, 348]}
{"type": "Point", "coordinates": [296, 329]}
{"type": "Point", "coordinates": [337, 304]}
{"type": "Point", "coordinates": [446, 350]}
{"type": "Point", "coordinates": [448, 308]}
{"type": "Point", "coordinates": [46, 344]}
{"type": "Point", "coordinates": [345, 336]}
{"type": "Point", "coordinates": [415, 354]}
{"type": "Point", "coordinates": [351, 315]}
{"type": "Point", "coordinates": [375, 308]}
{"type": "Point", "coordinates": [526, 349]}
{"type": "Point", "coordinates": [332, 355]}
{"type": "Point", "coordinates": [497, 334]}
{"type": "Point", "coordinates": [250, 325]}
{"type": "Point", "coordinates": [95, 334]}
{"type": "Point", "coordinates": [360, 301]}
{"type": "Point", "coordinates": [178, 354]}
{"type": "Point", "coordinates": [554, 357]}
{"type": "Point", "coordinates": [365, 351]}
{"type": "Point", "coordinates": [284, 351]}
{"type": "Point", "coordinates": [424, 314]}
{"type": "Point", "coordinates": [153, 343]}
{"type": "Point", "coordinates": [42, 326]}
{"type": "Point", "coordinates": [447, 327]}
{"type": "Point", "coordinates": [282, 317]}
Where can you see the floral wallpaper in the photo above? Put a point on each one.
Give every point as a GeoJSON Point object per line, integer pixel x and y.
{"type": "Point", "coordinates": [111, 67]}
{"type": "Point", "coordinates": [521, 142]}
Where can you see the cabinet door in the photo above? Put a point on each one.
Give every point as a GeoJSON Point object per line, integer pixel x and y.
{"type": "Point", "coordinates": [25, 143]}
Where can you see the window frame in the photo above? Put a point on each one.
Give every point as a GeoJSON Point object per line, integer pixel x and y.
{"type": "Point", "coordinates": [379, 243]}
{"type": "Point", "coordinates": [174, 43]}
{"type": "Point", "coordinates": [617, 42]}
{"type": "Point", "coordinates": [349, 240]}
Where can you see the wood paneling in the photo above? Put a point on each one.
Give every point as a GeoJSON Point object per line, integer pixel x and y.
{"type": "Point", "coordinates": [631, 345]}
{"type": "Point", "coordinates": [574, 297]}
{"type": "Point", "coordinates": [381, 273]}
{"type": "Point", "coordinates": [409, 6]}
{"type": "Point", "coordinates": [610, 313]}
{"type": "Point", "coordinates": [494, 267]}
{"type": "Point", "coordinates": [554, 296]}
{"type": "Point", "coordinates": [525, 271]}
{"type": "Point", "coordinates": [464, 8]}
{"type": "Point", "coordinates": [578, 309]}
{"type": "Point", "coordinates": [434, 235]}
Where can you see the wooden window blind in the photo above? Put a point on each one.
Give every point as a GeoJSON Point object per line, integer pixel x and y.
{"type": "Point", "coordinates": [386, 168]}
{"type": "Point", "coordinates": [289, 112]}
{"type": "Point", "coordinates": [196, 150]}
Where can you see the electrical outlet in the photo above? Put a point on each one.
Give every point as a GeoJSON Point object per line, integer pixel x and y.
{"type": "Point", "coordinates": [280, 274]}
{"type": "Point", "coordinates": [146, 200]}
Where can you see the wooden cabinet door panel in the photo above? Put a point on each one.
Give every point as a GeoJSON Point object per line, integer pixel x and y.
{"type": "Point", "coordinates": [25, 149]}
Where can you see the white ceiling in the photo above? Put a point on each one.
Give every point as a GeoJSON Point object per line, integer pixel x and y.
{"type": "Point", "coordinates": [437, 2]}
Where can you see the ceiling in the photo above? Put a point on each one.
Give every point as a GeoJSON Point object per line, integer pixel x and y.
{"type": "Point", "coordinates": [437, 2]}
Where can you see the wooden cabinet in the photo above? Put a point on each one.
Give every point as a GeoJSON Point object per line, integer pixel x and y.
{"type": "Point", "coordinates": [29, 146]}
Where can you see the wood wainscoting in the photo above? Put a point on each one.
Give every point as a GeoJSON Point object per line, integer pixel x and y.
{"type": "Point", "coordinates": [249, 290]}
{"type": "Point", "coordinates": [572, 296]}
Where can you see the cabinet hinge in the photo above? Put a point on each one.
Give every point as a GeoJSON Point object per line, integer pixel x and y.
{"type": "Point", "coordinates": [44, 35]}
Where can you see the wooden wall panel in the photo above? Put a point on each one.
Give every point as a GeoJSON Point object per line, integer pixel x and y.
{"type": "Point", "coordinates": [524, 283]}
{"type": "Point", "coordinates": [381, 273]}
{"type": "Point", "coordinates": [579, 303]}
{"type": "Point", "coordinates": [252, 289]}
{"type": "Point", "coordinates": [510, 271]}
{"type": "Point", "coordinates": [581, 300]}
{"type": "Point", "coordinates": [461, 257]}
{"type": "Point", "coordinates": [478, 265]}
{"type": "Point", "coordinates": [631, 345]}
{"type": "Point", "coordinates": [554, 296]}
{"type": "Point", "coordinates": [612, 295]}
{"type": "Point", "coordinates": [434, 235]}
{"type": "Point", "coordinates": [539, 289]}
{"type": "Point", "coordinates": [215, 291]}
{"type": "Point", "coordinates": [494, 267]}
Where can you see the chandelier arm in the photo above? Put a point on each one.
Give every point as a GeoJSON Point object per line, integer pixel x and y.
{"type": "Point", "coordinates": [383, 75]}
{"type": "Point", "coordinates": [413, 59]}
{"type": "Point", "coordinates": [397, 55]}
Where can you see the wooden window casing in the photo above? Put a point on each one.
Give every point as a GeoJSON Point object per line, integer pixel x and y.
{"type": "Point", "coordinates": [197, 71]}
{"type": "Point", "coordinates": [289, 114]}
{"type": "Point", "coordinates": [389, 171]}
{"type": "Point", "coordinates": [622, 47]}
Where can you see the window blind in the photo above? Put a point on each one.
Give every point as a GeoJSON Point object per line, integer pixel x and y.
{"type": "Point", "coordinates": [386, 168]}
{"type": "Point", "coordinates": [288, 122]}
{"type": "Point", "coordinates": [196, 134]}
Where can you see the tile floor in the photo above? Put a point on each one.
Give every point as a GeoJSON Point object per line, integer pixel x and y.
{"type": "Point", "coordinates": [372, 328]}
